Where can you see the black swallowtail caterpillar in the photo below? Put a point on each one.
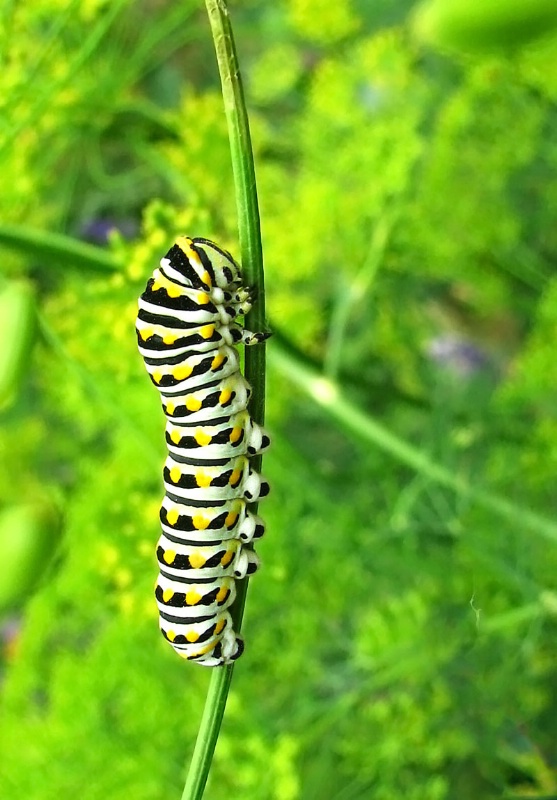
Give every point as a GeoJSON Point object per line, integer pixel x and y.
{"type": "Point", "coordinates": [187, 335]}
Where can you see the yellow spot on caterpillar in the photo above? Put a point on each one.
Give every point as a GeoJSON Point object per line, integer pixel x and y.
{"type": "Point", "coordinates": [235, 477]}
{"type": "Point", "coordinates": [200, 522]}
{"type": "Point", "coordinates": [206, 279]}
{"type": "Point", "coordinates": [175, 435]}
{"type": "Point", "coordinates": [169, 338]}
{"type": "Point", "coordinates": [167, 595]}
{"type": "Point", "coordinates": [203, 298]}
{"type": "Point", "coordinates": [192, 597]}
{"type": "Point", "coordinates": [197, 560]}
{"type": "Point", "coordinates": [207, 331]}
{"type": "Point", "coordinates": [172, 516]}
{"type": "Point", "coordinates": [222, 594]}
{"type": "Point", "coordinates": [220, 625]}
{"type": "Point", "coordinates": [227, 558]}
{"type": "Point", "coordinates": [231, 518]}
{"type": "Point", "coordinates": [192, 403]}
{"type": "Point", "coordinates": [225, 396]}
{"type": "Point", "coordinates": [182, 372]}
{"type": "Point", "coordinates": [201, 437]}
{"type": "Point", "coordinates": [172, 290]}
{"type": "Point", "coordinates": [170, 407]}
{"type": "Point", "coordinates": [175, 474]}
{"type": "Point", "coordinates": [192, 636]}
{"type": "Point", "coordinates": [202, 479]}
{"type": "Point", "coordinates": [217, 361]}
{"type": "Point", "coordinates": [169, 556]}
{"type": "Point", "coordinates": [235, 433]}
{"type": "Point", "coordinates": [146, 333]}
{"type": "Point", "coordinates": [170, 635]}
{"type": "Point", "coordinates": [157, 376]}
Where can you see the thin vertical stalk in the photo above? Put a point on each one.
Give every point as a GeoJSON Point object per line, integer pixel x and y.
{"type": "Point", "coordinates": [249, 232]}
{"type": "Point", "coordinates": [251, 257]}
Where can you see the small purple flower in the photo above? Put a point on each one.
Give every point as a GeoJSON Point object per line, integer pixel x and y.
{"type": "Point", "coordinates": [457, 355]}
{"type": "Point", "coordinates": [98, 230]}
{"type": "Point", "coordinates": [10, 628]}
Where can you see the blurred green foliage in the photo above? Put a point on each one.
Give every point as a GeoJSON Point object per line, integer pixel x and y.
{"type": "Point", "coordinates": [484, 25]}
{"type": "Point", "coordinates": [401, 639]}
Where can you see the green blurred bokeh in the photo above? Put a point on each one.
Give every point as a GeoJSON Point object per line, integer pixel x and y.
{"type": "Point", "coordinates": [400, 636]}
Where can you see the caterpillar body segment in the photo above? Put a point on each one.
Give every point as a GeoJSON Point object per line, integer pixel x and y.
{"type": "Point", "coordinates": [214, 483]}
{"type": "Point", "coordinates": [194, 600]}
{"type": "Point", "coordinates": [210, 523]}
{"type": "Point", "coordinates": [222, 649]}
{"type": "Point", "coordinates": [215, 560]}
{"type": "Point", "coordinates": [220, 440]}
{"type": "Point", "coordinates": [221, 398]}
{"type": "Point", "coordinates": [187, 332]}
{"type": "Point", "coordinates": [185, 372]}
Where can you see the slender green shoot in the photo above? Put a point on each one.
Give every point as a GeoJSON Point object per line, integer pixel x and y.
{"type": "Point", "coordinates": [56, 250]}
{"type": "Point", "coordinates": [353, 293]}
{"type": "Point", "coordinates": [252, 267]}
{"type": "Point", "coordinates": [330, 396]}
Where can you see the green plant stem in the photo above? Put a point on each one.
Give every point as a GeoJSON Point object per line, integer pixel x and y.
{"type": "Point", "coordinates": [208, 733]}
{"type": "Point", "coordinates": [55, 249]}
{"type": "Point", "coordinates": [243, 167]}
{"type": "Point", "coordinates": [353, 294]}
{"type": "Point", "coordinates": [252, 269]}
{"type": "Point", "coordinates": [329, 395]}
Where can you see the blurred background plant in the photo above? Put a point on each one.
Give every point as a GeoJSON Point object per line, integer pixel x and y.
{"type": "Point", "coordinates": [401, 637]}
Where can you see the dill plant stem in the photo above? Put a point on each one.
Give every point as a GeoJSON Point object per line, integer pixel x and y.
{"type": "Point", "coordinates": [251, 254]}
{"type": "Point", "coordinates": [208, 733]}
{"type": "Point", "coordinates": [331, 397]}
{"type": "Point", "coordinates": [251, 257]}
{"type": "Point", "coordinates": [56, 249]}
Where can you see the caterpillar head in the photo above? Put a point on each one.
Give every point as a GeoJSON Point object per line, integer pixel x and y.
{"type": "Point", "coordinates": [200, 264]}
